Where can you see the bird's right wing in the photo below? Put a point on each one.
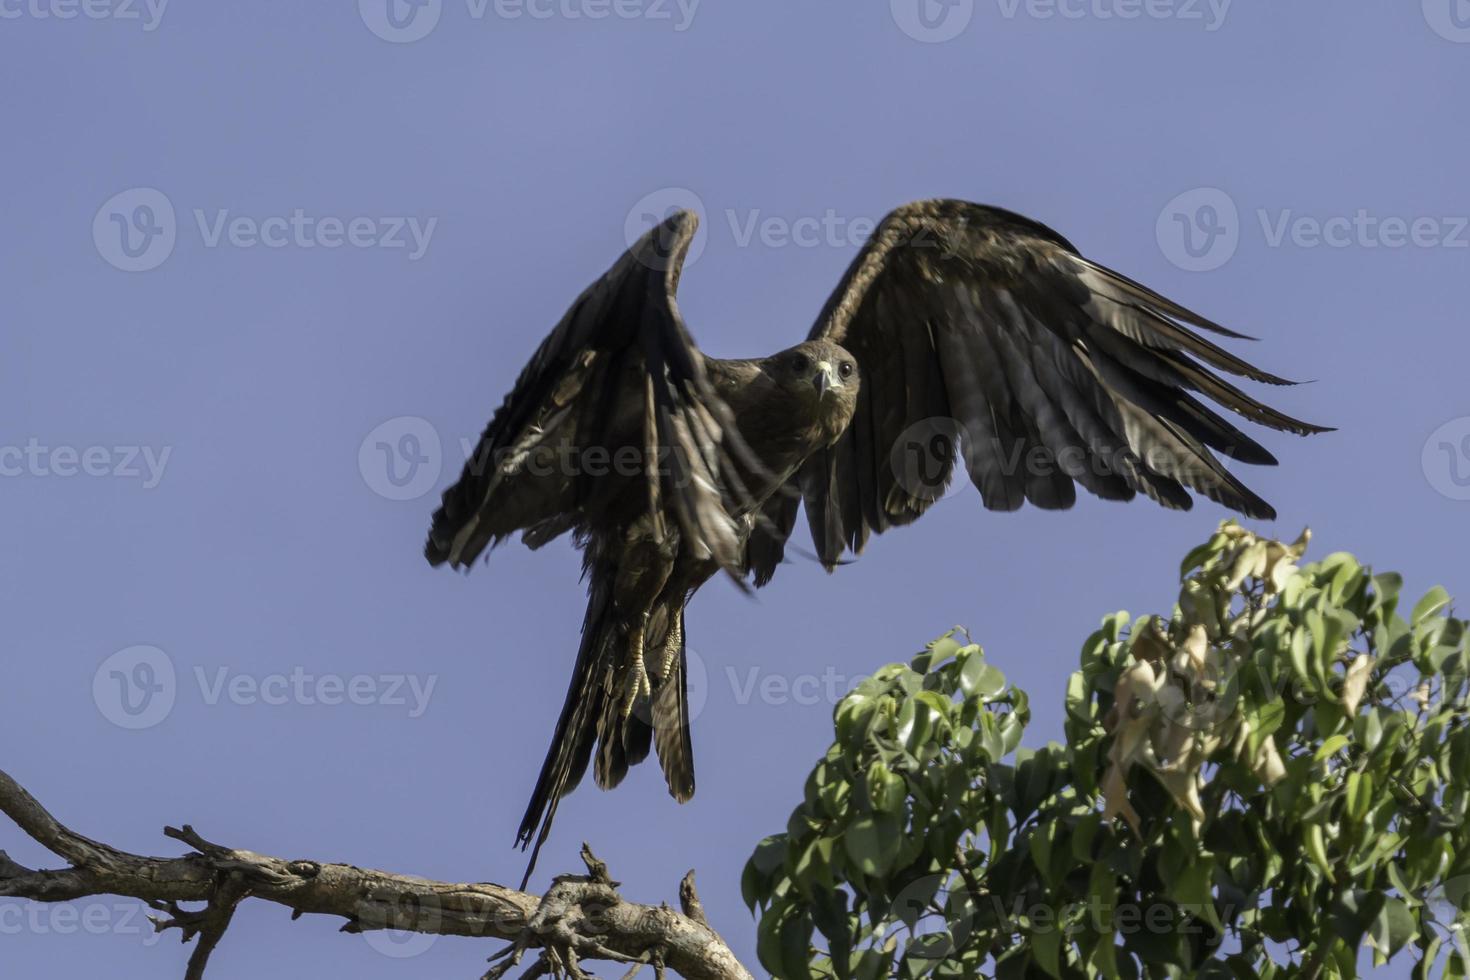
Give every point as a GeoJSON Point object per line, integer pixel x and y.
{"type": "Point", "coordinates": [975, 326]}
{"type": "Point", "coordinates": [619, 372]}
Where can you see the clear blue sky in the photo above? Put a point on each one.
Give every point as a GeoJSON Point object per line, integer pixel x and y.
{"type": "Point", "coordinates": [1319, 149]}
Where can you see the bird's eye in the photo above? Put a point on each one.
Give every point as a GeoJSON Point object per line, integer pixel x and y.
{"type": "Point", "coordinates": [799, 363]}
{"type": "Point", "coordinates": [846, 369]}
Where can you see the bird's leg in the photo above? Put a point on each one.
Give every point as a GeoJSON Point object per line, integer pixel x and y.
{"type": "Point", "coordinates": [672, 644]}
{"type": "Point", "coordinates": [637, 682]}
{"type": "Point", "coordinates": [642, 573]}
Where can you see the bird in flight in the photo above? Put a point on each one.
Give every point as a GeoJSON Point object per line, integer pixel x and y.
{"type": "Point", "coordinates": [984, 332]}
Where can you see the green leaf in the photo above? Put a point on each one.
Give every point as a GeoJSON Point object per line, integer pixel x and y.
{"type": "Point", "coordinates": [783, 942]}
{"type": "Point", "coordinates": [1388, 586]}
{"type": "Point", "coordinates": [1330, 747]}
{"type": "Point", "coordinates": [770, 854]}
{"type": "Point", "coordinates": [1346, 574]}
{"type": "Point", "coordinates": [1043, 839]}
{"type": "Point", "coordinates": [1102, 893]}
{"type": "Point", "coordinates": [1434, 600]}
{"type": "Point", "coordinates": [1200, 555]}
{"type": "Point", "coordinates": [1083, 835]}
{"type": "Point", "coordinates": [871, 841]}
{"type": "Point", "coordinates": [1046, 946]}
{"type": "Point", "coordinates": [1193, 891]}
{"type": "Point", "coordinates": [1079, 699]}
{"type": "Point", "coordinates": [915, 724]}
{"type": "Point", "coordinates": [979, 679]}
{"type": "Point", "coordinates": [1359, 795]}
{"type": "Point", "coordinates": [1394, 927]}
{"type": "Point", "coordinates": [1301, 654]}
{"type": "Point", "coordinates": [753, 886]}
{"type": "Point", "coordinates": [886, 789]}
{"type": "Point", "coordinates": [938, 652]}
{"type": "Point", "coordinates": [854, 713]}
{"type": "Point", "coordinates": [1353, 912]}
{"type": "Point", "coordinates": [813, 870]}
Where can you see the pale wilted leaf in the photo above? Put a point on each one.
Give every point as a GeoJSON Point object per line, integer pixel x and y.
{"type": "Point", "coordinates": [1355, 684]}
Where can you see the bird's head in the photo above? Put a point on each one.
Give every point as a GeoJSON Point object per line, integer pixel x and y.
{"type": "Point", "coordinates": [823, 378]}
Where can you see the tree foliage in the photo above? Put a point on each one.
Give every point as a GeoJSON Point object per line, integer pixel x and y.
{"type": "Point", "coordinates": [1260, 784]}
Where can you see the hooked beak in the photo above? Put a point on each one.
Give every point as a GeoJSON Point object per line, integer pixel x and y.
{"type": "Point", "coordinates": [825, 379]}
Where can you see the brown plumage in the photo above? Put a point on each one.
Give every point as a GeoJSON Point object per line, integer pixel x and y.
{"type": "Point", "coordinates": [955, 320]}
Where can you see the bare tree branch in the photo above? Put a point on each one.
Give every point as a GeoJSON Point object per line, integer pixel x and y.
{"type": "Point", "coordinates": [581, 917]}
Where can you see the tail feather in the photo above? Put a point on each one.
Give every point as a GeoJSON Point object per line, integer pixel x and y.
{"type": "Point", "coordinates": [595, 715]}
{"type": "Point", "coordinates": [576, 729]}
{"type": "Point", "coordinates": [671, 718]}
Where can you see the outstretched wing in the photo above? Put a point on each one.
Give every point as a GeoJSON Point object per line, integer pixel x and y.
{"type": "Point", "coordinates": [615, 402]}
{"type": "Point", "coordinates": [984, 334]}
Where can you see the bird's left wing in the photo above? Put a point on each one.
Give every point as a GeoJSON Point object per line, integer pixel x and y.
{"type": "Point", "coordinates": [983, 333]}
{"type": "Point", "coordinates": [619, 372]}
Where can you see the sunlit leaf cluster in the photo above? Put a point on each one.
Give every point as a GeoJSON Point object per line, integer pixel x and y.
{"type": "Point", "coordinates": [1270, 781]}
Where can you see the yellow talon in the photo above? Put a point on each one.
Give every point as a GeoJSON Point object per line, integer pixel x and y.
{"type": "Point", "coordinates": [638, 681]}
